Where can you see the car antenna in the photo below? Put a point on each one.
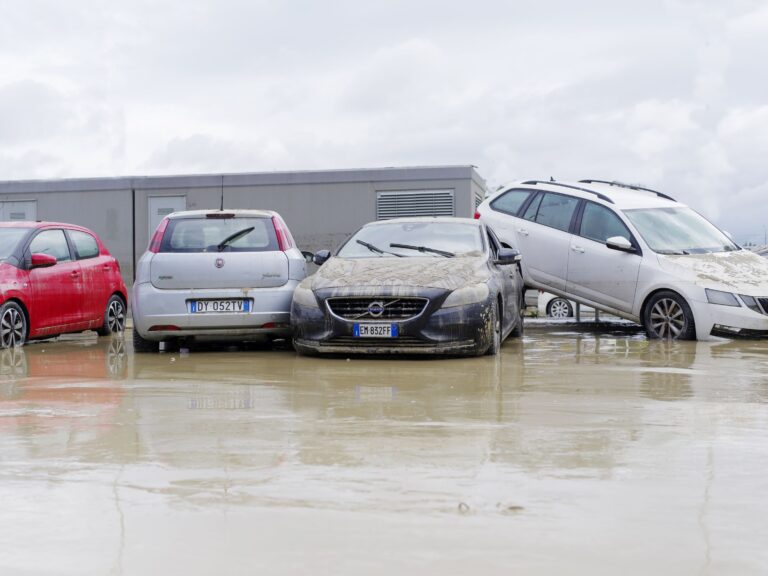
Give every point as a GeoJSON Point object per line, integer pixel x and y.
{"type": "Point", "coordinates": [222, 193]}
{"type": "Point", "coordinates": [551, 179]}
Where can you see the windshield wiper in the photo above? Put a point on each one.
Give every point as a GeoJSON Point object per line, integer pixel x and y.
{"type": "Point", "coordinates": [232, 237]}
{"type": "Point", "coordinates": [674, 252]}
{"type": "Point", "coordinates": [376, 249]}
{"type": "Point", "coordinates": [424, 249]}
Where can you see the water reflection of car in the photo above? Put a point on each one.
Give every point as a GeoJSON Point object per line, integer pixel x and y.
{"type": "Point", "coordinates": [216, 275]}
{"type": "Point", "coordinates": [56, 278]}
{"type": "Point", "coordinates": [635, 253]}
{"type": "Point", "coordinates": [65, 360]}
{"type": "Point", "coordinates": [411, 285]}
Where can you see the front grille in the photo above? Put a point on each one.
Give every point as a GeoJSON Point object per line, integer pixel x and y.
{"type": "Point", "coordinates": [400, 342]}
{"type": "Point", "coordinates": [377, 308]}
{"type": "Point", "coordinates": [763, 304]}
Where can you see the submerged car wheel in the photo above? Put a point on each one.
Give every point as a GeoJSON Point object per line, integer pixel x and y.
{"type": "Point", "coordinates": [142, 345]}
{"type": "Point", "coordinates": [13, 325]}
{"type": "Point", "coordinates": [114, 317]}
{"type": "Point", "coordinates": [494, 329]}
{"type": "Point", "coordinates": [667, 315]}
{"type": "Point", "coordinates": [559, 308]}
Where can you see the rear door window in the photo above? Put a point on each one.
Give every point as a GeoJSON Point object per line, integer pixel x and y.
{"type": "Point", "coordinates": [51, 242]}
{"type": "Point", "coordinates": [511, 202]}
{"type": "Point", "coordinates": [85, 244]}
{"type": "Point", "coordinates": [600, 223]}
{"type": "Point", "coordinates": [557, 211]}
{"type": "Point", "coordinates": [219, 235]}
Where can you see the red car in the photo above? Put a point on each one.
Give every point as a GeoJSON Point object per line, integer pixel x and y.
{"type": "Point", "coordinates": [56, 278]}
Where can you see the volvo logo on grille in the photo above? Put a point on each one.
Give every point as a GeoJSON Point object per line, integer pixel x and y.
{"type": "Point", "coordinates": [376, 309]}
{"type": "Point", "coordinates": [219, 262]}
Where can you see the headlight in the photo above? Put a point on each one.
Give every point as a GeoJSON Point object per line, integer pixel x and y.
{"type": "Point", "coordinates": [721, 298]}
{"type": "Point", "coordinates": [467, 295]}
{"type": "Point", "coordinates": [305, 297]}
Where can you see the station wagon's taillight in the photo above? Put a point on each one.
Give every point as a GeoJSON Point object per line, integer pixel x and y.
{"type": "Point", "coordinates": [477, 215]}
{"type": "Point", "coordinates": [284, 240]}
{"type": "Point", "coordinates": [157, 238]}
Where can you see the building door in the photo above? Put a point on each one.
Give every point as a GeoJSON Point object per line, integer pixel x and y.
{"type": "Point", "coordinates": [18, 210]}
{"type": "Point", "coordinates": [161, 206]}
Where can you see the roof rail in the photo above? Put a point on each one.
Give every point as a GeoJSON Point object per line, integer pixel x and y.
{"type": "Point", "coordinates": [630, 186]}
{"type": "Point", "coordinates": [587, 190]}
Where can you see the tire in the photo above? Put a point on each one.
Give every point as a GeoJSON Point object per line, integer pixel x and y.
{"type": "Point", "coordinates": [519, 328]}
{"type": "Point", "coordinates": [140, 345]}
{"type": "Point", "coordinates": [668, 316]}
{"type": "Point", "coordinates": [559, 308]}
{"type": "Point", "coordinates": [13, 325]}
{"type": "Point", "coordinates": [494, 329]}
{"type": "Point", "coordinates": [114, 317]}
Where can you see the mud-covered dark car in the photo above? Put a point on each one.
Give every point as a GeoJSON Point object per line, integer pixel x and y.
{"type": "Point", "coordinates": [411, 286]}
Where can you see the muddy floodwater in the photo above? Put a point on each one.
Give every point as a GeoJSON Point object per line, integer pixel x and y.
{"type": "Point", "coordinates": [569, 453]}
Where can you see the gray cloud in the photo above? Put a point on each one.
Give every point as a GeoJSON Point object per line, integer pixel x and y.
{"type": "Point", "coordinates": [669, 93]}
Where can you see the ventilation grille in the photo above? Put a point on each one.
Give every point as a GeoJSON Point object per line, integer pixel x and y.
{"type": "Point", "coordinates": [478, 199]}
{"type": "Point", "coordinates": [414, 203]}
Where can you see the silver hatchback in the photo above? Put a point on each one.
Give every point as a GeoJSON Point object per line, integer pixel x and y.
{"type": "Point", "coordinates": [216, 275]}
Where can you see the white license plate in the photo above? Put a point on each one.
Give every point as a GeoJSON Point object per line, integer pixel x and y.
{"type": "Point", "coordinates": [218, 306]}
{"type": "Point", "coordinates": [375, 330]}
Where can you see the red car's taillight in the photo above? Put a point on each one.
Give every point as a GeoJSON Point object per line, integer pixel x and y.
{"type": "Point", "coordinates": [284, 240]}
{"type": "Point", "coordinates": [477, 215]}
{"type": "Point", "coordinates": [157, 238]}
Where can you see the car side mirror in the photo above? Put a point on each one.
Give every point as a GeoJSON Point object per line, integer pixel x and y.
{"type": "Point", "coordinates": [506, 256]}
{"type": "Point", "coordinates": [308, 256]}
{"type": "Point", "coordinates": [40, 260]}
{"type": "Point", "coordinates": [620, 243]}
{"type": "Point", "coordinates": [321, 256]}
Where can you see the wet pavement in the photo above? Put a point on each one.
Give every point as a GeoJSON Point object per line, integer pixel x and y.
{"type": "Point", "coordinates": [572, 452]}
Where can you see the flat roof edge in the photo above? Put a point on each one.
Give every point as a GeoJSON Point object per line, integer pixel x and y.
{"type": "Point", "coordinates": [341, 176]}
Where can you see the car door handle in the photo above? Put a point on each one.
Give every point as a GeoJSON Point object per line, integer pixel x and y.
{"type": "Point", "coordinates": [74, 274]}
{"type": "Point", "coordinates": [106, 268]}
{"type": "Point", "coordinates": [523, 231]}
{"type": "Point", "coordinates": [578, 249]}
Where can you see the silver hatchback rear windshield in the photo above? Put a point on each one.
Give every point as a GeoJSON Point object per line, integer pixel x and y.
{"type": "Point", "coordinates": [219, 235]}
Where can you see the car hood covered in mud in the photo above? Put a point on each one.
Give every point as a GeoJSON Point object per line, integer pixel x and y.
{"type": "Point", "coordinates": [742, 271]}
{"type": "Point", "coordinates": [422, 272]}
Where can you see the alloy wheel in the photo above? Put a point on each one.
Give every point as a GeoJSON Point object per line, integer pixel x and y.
{"type": "Point", "coordinates": [667, 318]}
{"type": "Point", "coordinates": [11, 328]}
{"type": "Point", "coordinates": [116, 316]}
{"type": "Point", "coordinates": [560, 309]}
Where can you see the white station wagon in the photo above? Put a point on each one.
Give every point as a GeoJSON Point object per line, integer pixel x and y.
{"type": "Point", "coordinates": [633, 252]}
{"type": "Point", "coordinates": [216, 275]}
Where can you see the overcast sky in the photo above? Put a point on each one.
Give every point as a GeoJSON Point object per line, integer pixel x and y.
{"type": "Point", "coordinates": [667, 93]}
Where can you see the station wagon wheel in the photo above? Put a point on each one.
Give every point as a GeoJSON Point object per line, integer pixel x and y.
{"type": "Point", "coordinates": [13, 325]}
{"type": "Point", "coordinates": [559, 308]}
{"type": "Point", "coordinates": [114, 317]}
{"type": "Point", "coordinates": [667, 315]}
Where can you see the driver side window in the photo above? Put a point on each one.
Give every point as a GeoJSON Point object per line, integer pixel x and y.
{"type": "Point", "coordinates": [599, 223]}
{"type": "Point", "coordinates": [51, 242]}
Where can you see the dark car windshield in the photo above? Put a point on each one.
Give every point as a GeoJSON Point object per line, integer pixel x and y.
{"type": "Point", "coordinates": [679, 231]}
{"type": "Point", "coordinates": [430, 239]}
{"type": "Point", "coordinates": [9, 239]}
{"type": "Point", "coordinates": [219, 234]}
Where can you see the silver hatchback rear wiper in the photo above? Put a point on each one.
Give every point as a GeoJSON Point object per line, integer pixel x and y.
{"type": "Point", "coordinates": [232, 237]}
{"type": "Point", "coordinates": [424, 249]}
